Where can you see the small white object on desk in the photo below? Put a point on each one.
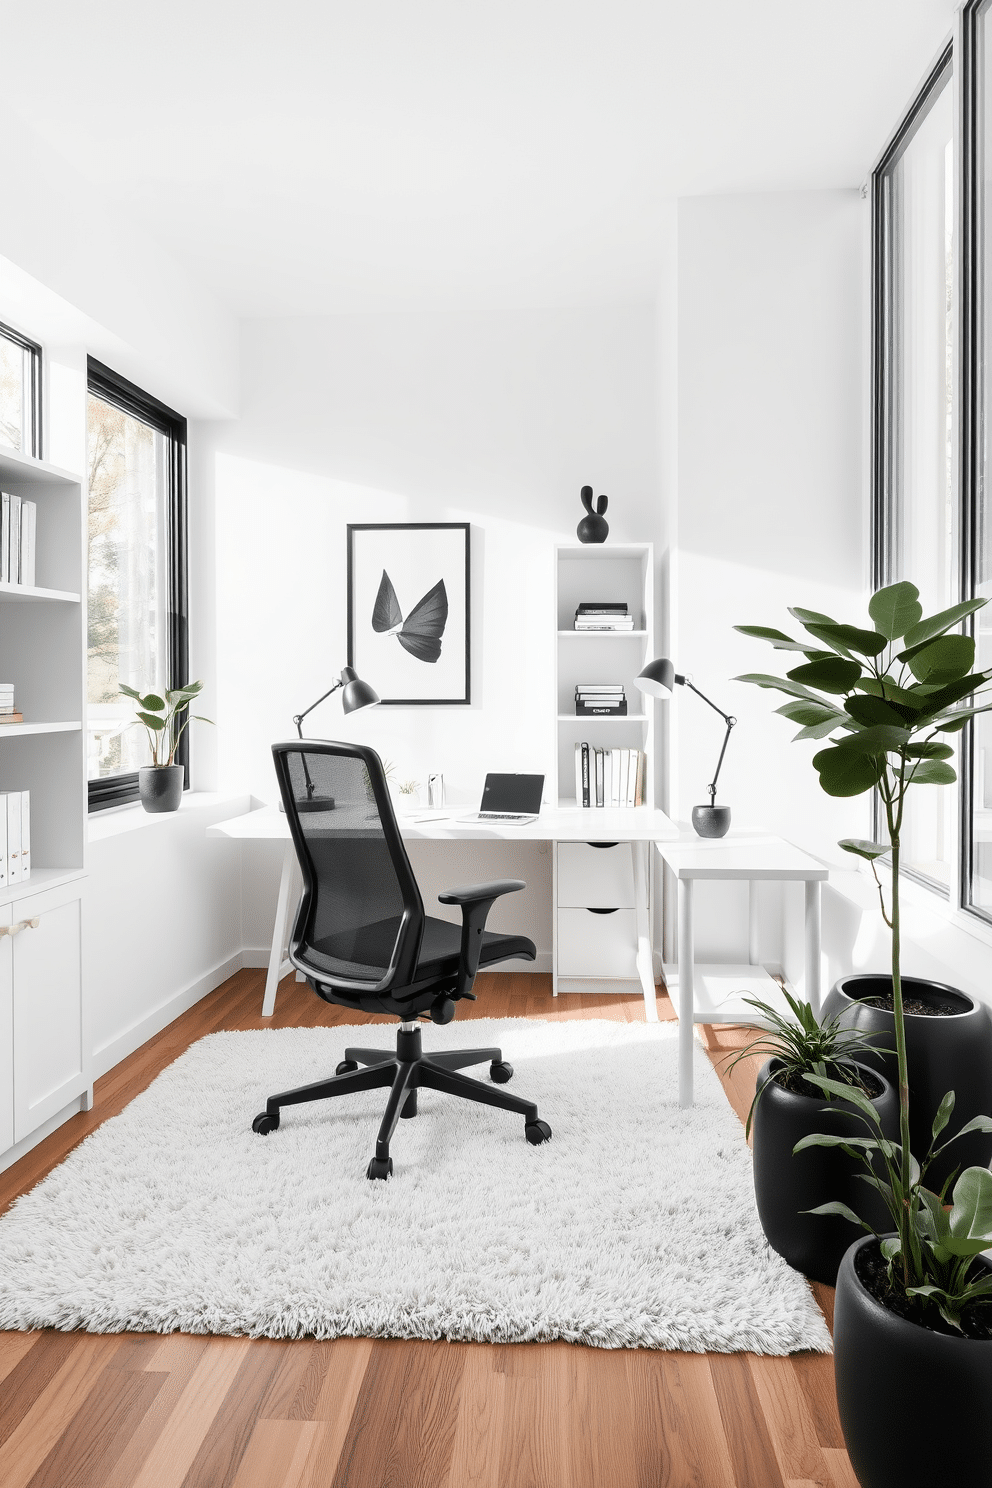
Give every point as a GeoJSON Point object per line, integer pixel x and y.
{"type": "Point", "coordinates": [716, 994]}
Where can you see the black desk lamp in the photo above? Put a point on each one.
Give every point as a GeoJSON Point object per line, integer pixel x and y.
{"type": "Point", "coordinates": [357, 694]}
{"type": "Point", "coordinates": [659, 679]}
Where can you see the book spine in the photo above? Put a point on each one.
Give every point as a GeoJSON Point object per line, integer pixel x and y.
{"type": "Point", "coordinates": [4, 538]}
{"type": "Point", "coordinates": [14, 554]}
{"type": "Point", "coordinates": [632, 777]}
{"type": "Point", "coordinates": [12, 810]}
{"type": "Point", "coordinates": [578, 774]}
{"type": "Point", "coordinates": [609, 710]}
{"type": "Point", "coordinates": [642, 763]}
{"type": "Point", "coordinates": [599, 777]}
{"type": "Point", "coordinates": [25, 834]}
{"type": "Point", "coordinates": [585, 774]}
{"type": "Point", "coordinates": [29, 518]}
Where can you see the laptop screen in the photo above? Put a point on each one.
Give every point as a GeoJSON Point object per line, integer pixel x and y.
{"type": "Point", "coordinates": [513, 793]}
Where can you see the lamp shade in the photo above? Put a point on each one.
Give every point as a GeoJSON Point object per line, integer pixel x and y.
{"type": "Point", "coordinates": [657, 679]}
{"type": "Point", "coordinates": [357, 694]}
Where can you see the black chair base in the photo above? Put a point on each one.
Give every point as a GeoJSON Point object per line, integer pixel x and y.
{"type": "Point", "coordinates": [404, 1073]}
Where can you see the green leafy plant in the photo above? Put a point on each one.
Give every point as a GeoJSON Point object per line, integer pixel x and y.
{"type": "Point", "coordinates": [802, 1046]}
{"type": "Point", "coordinates": [162, 718]}
{"type": "Point", "coordinates": [409, 787]}
{"type": "Point", "coordinates": [882, 698]}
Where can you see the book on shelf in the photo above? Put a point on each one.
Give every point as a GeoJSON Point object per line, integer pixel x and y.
{"type": "Point", "coordinates": [9, 716]}
{"type": "Point", "coordinates": [15, 828]}
{"type": "Point", "coordinates": [609, 777]}
{"type": "Point", "coordinates": [601, 709]}
{"type": "Point", "coordinates": [18, 530]}
{"type": "Point", "coordinates": [601, 607]}
{"type": "Point", "coordinates": [605, 622]}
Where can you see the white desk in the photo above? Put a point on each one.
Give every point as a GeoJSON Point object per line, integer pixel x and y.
{"type": "Point", "coordinates": [715, 994]}
{"type": "Point", "coordinates": [638, 826]}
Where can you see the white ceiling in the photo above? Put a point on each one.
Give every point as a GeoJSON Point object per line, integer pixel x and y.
{"type": "Point", "coordinates": [307, 157]}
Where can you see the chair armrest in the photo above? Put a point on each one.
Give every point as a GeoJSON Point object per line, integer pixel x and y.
{"type": "Point", "coordinates": [476, 900]}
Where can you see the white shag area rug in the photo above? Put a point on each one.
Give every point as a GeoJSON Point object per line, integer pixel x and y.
{"type": "Point", "coordinates": [634, 1227]}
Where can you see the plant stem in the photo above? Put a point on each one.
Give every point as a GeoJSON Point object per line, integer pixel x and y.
{"type": "Point", "coordinates": [900, 1028]}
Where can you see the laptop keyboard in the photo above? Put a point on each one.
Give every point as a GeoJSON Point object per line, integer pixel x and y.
{"type": "Point", "coordinates": [502, 815]}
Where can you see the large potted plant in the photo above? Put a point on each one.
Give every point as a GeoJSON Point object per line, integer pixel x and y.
{"type": "Point", "coordinates": [913, 1347]}
{"type": "Point", "coordinates": [160, 784]}
{"type": "Point", "coordinates": [787, 1107]}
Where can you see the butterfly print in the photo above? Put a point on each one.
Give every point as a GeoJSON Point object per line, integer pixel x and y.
{"type": "Point", "coordinates": [420, 633]}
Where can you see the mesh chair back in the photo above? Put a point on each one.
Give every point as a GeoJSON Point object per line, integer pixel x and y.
{"type": "Point", "coordinates": [361, 919]}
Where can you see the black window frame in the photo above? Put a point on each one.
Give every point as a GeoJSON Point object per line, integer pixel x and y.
{"type": "Point", "coordinates": [883, 377]}
{"type": "Point", "coordinates": [37, 372]}
{"type": "Point", "coordinates": [103, 382]}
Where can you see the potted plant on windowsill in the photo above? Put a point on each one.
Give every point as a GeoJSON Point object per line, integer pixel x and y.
{"type": "Point", "coordinates": [913, 1351]}
{"type": "Point", "coordinates": [160, 784]}
{"type": "Point", "coordinates": [786, 1108]}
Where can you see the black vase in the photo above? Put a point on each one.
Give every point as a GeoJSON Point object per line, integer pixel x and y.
{"type": "Point", "coordinates": [594, 528]}
{"type": "Point", "coordinates": [160, 787]}
{"type": "Point", "coordinates": [913, 1405]}
{"type": "Point", "coordinates": [949, 1053]}
{"type": "Point", "coordinates": [787, 1183]}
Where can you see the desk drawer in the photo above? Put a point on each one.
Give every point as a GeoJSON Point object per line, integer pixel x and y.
{"type": "Point", "coordinates": [597, 945]}
{"type": "Point", "coordinates": [596, 877]}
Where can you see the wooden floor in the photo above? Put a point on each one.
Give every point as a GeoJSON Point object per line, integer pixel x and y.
{"type": "Point", "coordinates": [81, 1410]}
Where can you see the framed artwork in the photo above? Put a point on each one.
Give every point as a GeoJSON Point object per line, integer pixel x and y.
{"type": "Point", "coordinates": [408, 610]}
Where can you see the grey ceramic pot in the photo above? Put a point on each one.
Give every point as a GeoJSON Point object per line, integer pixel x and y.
{"type": "Point", "coordinates": [160, 787]}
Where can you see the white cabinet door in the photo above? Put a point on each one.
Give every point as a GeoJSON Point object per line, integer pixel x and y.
{"type": "Point", "coordinates": [597, 945]}
{"type": "Point", "coordinates": [6, 1039]}
{"type": "Point", "coordinates": [50, 1062]}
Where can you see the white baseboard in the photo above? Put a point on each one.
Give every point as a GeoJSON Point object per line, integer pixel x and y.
{"type": "Point", "coordinates": [119, 1048]}
{"type": "Point", "coordinates": [28, 1143]}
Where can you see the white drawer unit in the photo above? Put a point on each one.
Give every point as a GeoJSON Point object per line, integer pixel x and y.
{"type": "Point", "coordinates": [43, 1042]}
{"type": "Point", "coordinates": [597, 943]}
{"type": "Point", "coordinates": [594, 876]}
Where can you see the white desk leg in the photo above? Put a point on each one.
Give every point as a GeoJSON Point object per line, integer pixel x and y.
{"type": "Point", "coordinates": [813, 945]}
{"type": "Point", "coordinates": [687, 995]}
{"type": "Point", "coordinates": [642, 913]}
{"type": "Point", "coordinates": [280, 930]}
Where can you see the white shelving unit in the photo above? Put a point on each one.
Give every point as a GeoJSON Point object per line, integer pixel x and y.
{"type": "Point", "coordinates": [44, 1058]}
{"type": "Point", "coordinates": [601, 891]}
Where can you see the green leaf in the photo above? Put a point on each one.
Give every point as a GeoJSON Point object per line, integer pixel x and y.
{"type": "Point", "coordinates": [930, 749]}
{"type": "Point", "coordinates": [950, 723]}
{"type": "Point", "coordinates": [868, 710]}
{"type": "Point", "coordinates": [130, 692]}
{"type": "Point", "coordinates": [887, 689]}
{"type": "Point", "coordinates": [816, 730]}
{"type": "Point", "coordinates": [843, 773]}
{"type": "Point", "coordinates": [781, 684]}
{"type": "Point", "coordinates": [801, 711]}
{"type": "Point", "coordinates": [847, 638]}
{"type": "Point", "coordinates": [150, 721]}
{"type": "Point", "coordinates": [780, 641]}
{"type": "Point", "coordinates": [831, 674]}
{"type": "Point", "coordinates": [863, 848]}
{"type": "Point", "coordinates": [895, 609]}
{"type": "Point", "coordinates": [152, 700]}
{"type": "Point", "coordinates": [971, 1213]}
{"type": "Point", "coordinates": [976, 1124]}
{"type": "Point", "coordinates": [937, 624]}
{"type": "Point", "coordinates": [890, 1247]}
{"type": "Point", "coordinates": [943, 1115]}
{"type": "Point", "coordinates": [932, 701]}
{"type": "Point", "coordinates": [836, 1207]}
{"type": "Point", "coordinates": [881, 738]}
{"type": "Point", "coordinates": [845, 1092]}
{"type": "Point", "coordinates": [934, 772]}
{"type": "Point", "coordinates": [943, 660]}
{"type": "Point", "coordinates": [810, 616]}
{"type": "Point", "coordinates": [823, 1139]}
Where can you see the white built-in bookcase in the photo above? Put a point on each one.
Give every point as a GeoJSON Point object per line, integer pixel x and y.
{"type": "Point", "coordinates": [608, 572]}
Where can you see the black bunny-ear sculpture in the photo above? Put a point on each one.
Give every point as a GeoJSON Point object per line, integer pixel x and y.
{"type": "Point", "coordinates": [593, 528]}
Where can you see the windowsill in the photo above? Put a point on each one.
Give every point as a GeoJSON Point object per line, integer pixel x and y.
{"type": "Point", "coordinates": [119, 820]}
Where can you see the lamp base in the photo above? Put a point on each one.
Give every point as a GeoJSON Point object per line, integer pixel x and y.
{"type": "Point", "coordinates": [313, 803]}
{"type": "Point", "coordinates": [711, 821]}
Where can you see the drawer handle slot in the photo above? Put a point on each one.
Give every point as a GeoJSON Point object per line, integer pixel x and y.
{"type": "Point", "coordinates": [602, 844]}
{"type": "Point", "coordinates": [590, 910]}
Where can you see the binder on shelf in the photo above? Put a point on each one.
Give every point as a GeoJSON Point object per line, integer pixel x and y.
{"type": "Point", "coordinates": [14, 542]}
{"type": "Point", "coordinates": [599, 777]}
{"type": "Point", "coordinates": [12, 811]}
{"type": "Point", "coordinates": [26, 565]}
{"type": "Point", "coordinates": [25, 833]}
{"type": "Point", "coordinates": [585, 775]}
{"type": "Point", "coordinates": [3, 849]}
{"type": "Point", "coordinates": [4, 538]}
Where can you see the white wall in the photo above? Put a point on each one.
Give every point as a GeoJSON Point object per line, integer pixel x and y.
{"type": "Point", "coordinates": [496, 419]}
{"type": "Point", "coordinates": [770, 504]}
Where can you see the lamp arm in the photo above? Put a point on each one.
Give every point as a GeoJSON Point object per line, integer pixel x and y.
{"type": "Point", "coordinates": [730, 721]}
{"type": "Point", "coordinates": [299, 717]}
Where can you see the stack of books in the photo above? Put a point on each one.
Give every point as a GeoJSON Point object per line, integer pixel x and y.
{"type": "Point", "coordinates": [601, 698]}
{"type": "Point", "coordinates": [609, 777]}
{"type": "Point", "coordinates": [8, 713]}
{"type": "Point", "coordinates": [603, 615]}
{"type": "Point", "coordinates": [15, 836]}
{"type": "Point", "coordinates": [18, 521]}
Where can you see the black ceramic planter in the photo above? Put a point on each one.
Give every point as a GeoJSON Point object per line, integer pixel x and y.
{"type": "Point", "coordinates": [785, 1184]}
{"type": "Point", "coordinates": [950, 1053]}
{"type": "Point", "coordinates": [914, 1405]}
{"type": "Point", "coordinates": [160, 787]}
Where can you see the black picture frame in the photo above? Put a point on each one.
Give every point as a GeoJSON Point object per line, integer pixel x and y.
{"type": "Point", "coordinates": [400, 677]}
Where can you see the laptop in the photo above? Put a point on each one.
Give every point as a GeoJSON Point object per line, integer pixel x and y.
{"type": "Point", "coordinates": [509, 798]}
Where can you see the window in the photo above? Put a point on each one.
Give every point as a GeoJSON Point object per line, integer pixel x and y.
{"type": "Point", "coordinates": [136, 623]}
{"type": "Point", "coordinates": [913, 434]}
{"type": "Point", "coordinates": [20, 392]}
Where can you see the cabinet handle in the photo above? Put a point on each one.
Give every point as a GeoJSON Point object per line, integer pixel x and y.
{"type": "Point", "coordinates": [16, 929]}
{"type": "Point", "coordinates": [590, 910]}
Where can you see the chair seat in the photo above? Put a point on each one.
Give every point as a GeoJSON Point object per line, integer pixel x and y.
{"type": "Point", "coordinates": [364, 954]}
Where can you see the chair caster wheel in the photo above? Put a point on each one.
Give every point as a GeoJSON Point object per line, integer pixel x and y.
{"type": "Point", "coordinates": [346, 1067]}
{"type": "Point", "coordinates": [500, 1071]}
{"type": "Point", "coordinates": [379, 1168]}
{"type": "Point", "coordinates": [537, 1132]}
{"type": "Point", "coordinates": [264, 1123]}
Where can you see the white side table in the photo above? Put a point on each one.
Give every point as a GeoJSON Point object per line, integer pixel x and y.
{"type": "Point", "coordinates": [715, 994]}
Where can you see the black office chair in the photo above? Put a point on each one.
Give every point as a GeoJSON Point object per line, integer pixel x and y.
{"type": "Point", "coordinates": [363, 941]}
